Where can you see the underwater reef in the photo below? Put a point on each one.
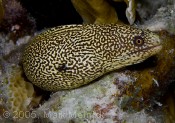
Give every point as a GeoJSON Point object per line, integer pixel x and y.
{"type": "Point", "coordinates": [17, 94]}
{"type": "Point", "coordinates": [139, 93]}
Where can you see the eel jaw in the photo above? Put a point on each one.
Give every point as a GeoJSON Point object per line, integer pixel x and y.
{"type": "Point", "coordinates": [155, 49]}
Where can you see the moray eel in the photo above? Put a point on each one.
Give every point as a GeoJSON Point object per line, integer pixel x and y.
{"type": "Point", "coordinates": [69, 56]}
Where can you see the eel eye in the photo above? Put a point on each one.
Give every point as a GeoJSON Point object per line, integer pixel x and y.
{"type": "Point", "coordinates": [138, 41]}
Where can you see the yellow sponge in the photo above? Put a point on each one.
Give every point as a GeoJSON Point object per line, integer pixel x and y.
{"type": "Point", "coordinates": [18, 94]}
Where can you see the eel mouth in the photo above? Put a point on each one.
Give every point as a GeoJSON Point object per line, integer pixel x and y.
{"type": "Point", "coordinates": [158, 47]}
{"type": "Point", "coordinates": [155, 49]}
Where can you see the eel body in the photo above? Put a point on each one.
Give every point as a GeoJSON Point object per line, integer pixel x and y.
{"type": "Point", "coordinates": [70, 56]}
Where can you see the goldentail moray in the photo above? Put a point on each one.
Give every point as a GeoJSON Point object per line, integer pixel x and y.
{"type": "Point", "coordinates": [70, 56]}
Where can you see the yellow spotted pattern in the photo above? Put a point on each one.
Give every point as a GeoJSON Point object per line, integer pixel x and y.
{"type": "Point", "coordinates": [70, 56]}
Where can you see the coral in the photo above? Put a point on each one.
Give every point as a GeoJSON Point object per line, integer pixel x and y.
{"type": "Point", "coordinates": [131, 11]}
{"type": "Point", "coordinates": [97, 102]}
{"type": "Point", "coordinates": [17, 94]}
{"type": "Point", "coordinates": [95, 11]}
{"type": "Point", "coordinates": [148, 8]}
{"type": "Point", "coordinates": [162, 20]}
{"type": "Point", "coordinates": [11, 52]}
{"type": "Point", "coordinates": [151, 83]}
{"type": "Point", "coordinates": [16, 21]}
{"type": "Point", "coordinates": [101, 11]}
